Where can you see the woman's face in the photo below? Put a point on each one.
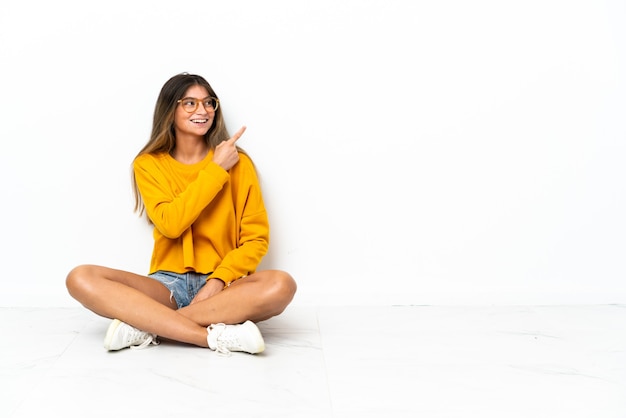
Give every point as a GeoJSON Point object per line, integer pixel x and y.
{"type": "Point", "coordinates": [198, 122]}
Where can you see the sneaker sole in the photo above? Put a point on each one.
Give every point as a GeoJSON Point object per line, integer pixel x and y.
{"type": "Point", "coordinates": [108, 338]}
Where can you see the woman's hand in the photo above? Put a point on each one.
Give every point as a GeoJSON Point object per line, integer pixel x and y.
{"type": "Point", "coordinates": [212, 287]}
{"type": "Point", "coordinates": [226, 154]}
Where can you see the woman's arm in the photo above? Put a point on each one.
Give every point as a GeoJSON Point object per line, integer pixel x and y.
{"type": "Point", "coordinates": [252, 225]}
{"type": "Point", "coordinates": [171, 213]}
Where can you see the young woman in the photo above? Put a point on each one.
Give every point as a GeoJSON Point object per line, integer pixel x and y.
{"type": "Point", "coordinates": [201, 193]}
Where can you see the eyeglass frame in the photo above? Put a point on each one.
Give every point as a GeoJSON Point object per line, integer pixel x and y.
{"type": "Point", "coordinates": [198, 101]}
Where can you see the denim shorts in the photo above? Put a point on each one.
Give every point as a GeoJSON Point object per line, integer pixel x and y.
{"type": "Point", "coordinates": [183, 287]}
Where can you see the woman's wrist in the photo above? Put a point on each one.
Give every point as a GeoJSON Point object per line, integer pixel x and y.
{"type": "Point", "coordinates": [217, 278]}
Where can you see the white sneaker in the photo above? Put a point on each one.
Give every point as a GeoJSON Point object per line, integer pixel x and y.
{"type": "Point", "coordinates": [121, 335]}
{"type": "Point", "coordinates": [242, 337]}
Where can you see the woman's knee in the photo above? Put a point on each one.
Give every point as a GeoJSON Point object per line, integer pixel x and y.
{"type": "Point", "coordinates": [79, 279]}
{"type": "Point", "coordinates": [283, 286]}
{"type": "Point", "coordinates": [288, 284]}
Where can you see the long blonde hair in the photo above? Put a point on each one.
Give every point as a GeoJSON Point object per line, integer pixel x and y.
{"type": "Point", "coordinates": [163, 137]}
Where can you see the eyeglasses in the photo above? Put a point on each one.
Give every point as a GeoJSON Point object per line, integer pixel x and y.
{"type": "Point", "coordinates": [190, 104]}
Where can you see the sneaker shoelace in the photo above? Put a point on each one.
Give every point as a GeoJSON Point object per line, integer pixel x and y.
{"type": "Point", "coordinates": [136, 335]}
{"type": "Point", "coordinates": [147, 342]}
{"type": "Point", "coordinates": [224, 340]}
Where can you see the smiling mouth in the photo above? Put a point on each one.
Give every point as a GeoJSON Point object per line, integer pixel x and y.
{"type": "Point", "coordinates": [199, 121]}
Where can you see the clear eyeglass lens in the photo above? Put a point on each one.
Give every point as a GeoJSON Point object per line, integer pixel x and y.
{"type": "Point", "coordinates": [191, 105]}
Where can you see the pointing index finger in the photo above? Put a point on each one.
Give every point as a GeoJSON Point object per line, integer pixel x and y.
{"type": "Point", "coordinates": [237, 135]}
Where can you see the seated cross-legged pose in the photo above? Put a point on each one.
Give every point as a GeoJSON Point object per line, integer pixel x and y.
{"type": "Point", "coordinates": [201, 193]}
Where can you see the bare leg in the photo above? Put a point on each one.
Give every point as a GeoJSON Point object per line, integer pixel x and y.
{"type": "Point", "coordinates": [145, 303]}
{"type": "Point", "coordinates": [258, 297]}
{"type": "Point", "coordinates": [137, 300]}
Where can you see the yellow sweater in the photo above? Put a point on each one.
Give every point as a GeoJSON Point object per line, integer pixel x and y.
{"type": "Point", "coordinates": [206, 219]}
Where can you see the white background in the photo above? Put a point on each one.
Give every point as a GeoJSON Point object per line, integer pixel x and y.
{"type": "Point", "coordinates": [410, 152]}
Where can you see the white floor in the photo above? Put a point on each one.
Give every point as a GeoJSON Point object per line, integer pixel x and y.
{"type": "Point", "coordinates": [413, 361]}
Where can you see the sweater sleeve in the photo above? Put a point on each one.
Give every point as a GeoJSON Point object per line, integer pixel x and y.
{"type": "Point", "coordinates": [244, 259]}
{"type": "Point", "coordinates": [253, 240]}
{"type": "Point", "coordinates": [171, 213]}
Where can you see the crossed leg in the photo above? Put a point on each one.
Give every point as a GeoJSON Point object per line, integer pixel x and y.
{"type": "Point", "coordinates": [145, 303]}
